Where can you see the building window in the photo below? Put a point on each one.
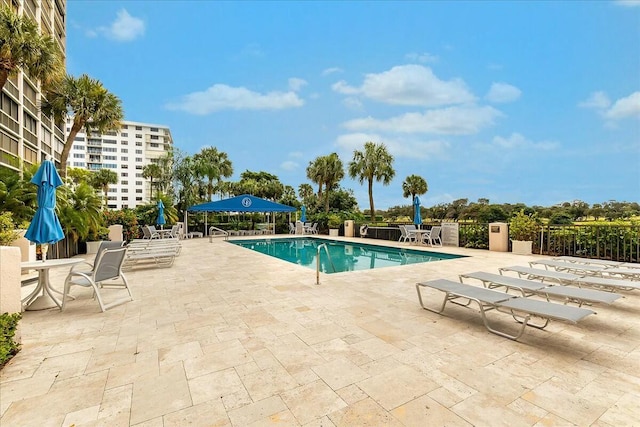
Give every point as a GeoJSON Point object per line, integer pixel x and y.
{"type": "Point", "coordinates": [139, 167]}
{"type": "Point", "coordinates": [124, 158]}
{"type": "Point", "coordinates": [111, 157]}
{"type": "Point", "coordinates": [125, 142]}
{"type": "Point", "coordinates": [112, 190]}
{"type": "Point", "coordinates": [153, 130]}
{"type": "Point", "coordinates": [125, 190]}
{"type": "Point", "coordinates": [124, 134]}
{"type": "Point", "coordinates": [138, 144]}
{"type": "Point", "coordinates": [154, 136]}
{"type": "Point", "coordinates": [138, 135]}
{"type": "Point", "coordinates": [125, 198]}
{"type": "Point", "coordinates": [79, 138]}
{"type": "Point", "coordinates": [138, 175]}
{"type": "Point", "coordinates": [138, 190]}
{"type": "Point", "coordinates": [138, 182]}
{"type": "Point", "coordinates": [138, 199]}
{"type": "Point", "coordinates": [124, 173]}
{"type": "Point", "coordinates": [124, 150]}
{"type": "Point", "coordinates": [138, 127]}
{"type": "Point", "coordinates": [124, 127]}
{"type": "Point", "coordinates": [125, 182]}
{"type": "Point", "coordinates": [154, 145]}
{"type": "Point", "coordinates": [78, 147]}
{"type": "Point", "coordinates": [139, 159]}
{"type": "Point", "coordinates": [125, 166]}
{"type": "Point", "coordinates": [138, 151]}
{"type": "Point", "coordinates": [78, 155]}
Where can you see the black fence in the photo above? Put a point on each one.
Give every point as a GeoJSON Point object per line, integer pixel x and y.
{"type": "Point", "coordinates": [603, 241]}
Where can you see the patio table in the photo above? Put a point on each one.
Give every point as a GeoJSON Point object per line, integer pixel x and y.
{"type": "Point", "coordinates": [419, 233]}
{"type": "Point", "coordinates": [46, 299]}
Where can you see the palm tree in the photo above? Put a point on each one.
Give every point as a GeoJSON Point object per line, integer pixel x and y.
{"type": "Point", "coordinates": [214, 165]}
{"type": "Point", "coordinates": [314, 173]}
{"type": "Point", "coordinates": [414, 185]}
{"type": "Point", "coordinates": [92, 106]}
{"type": "Point", "coordinates": [332, 173]}
{"type": "Point", "coordinates": [305, 191]}
{"type": "Point", "coordinates": [22, 46]}
{"type": "Point", "coordinates": [101, 180]}
{"type": "Point", "coordinates": [150, 172]}
{"type": "Point", "coordinates": [375, 163]}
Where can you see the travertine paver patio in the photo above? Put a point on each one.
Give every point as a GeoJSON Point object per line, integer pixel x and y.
{"type": "Point", "coordinates": [228, 337]}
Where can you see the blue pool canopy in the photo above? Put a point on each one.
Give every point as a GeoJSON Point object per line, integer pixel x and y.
{"type": "Point", "coordinates": [243, 203]}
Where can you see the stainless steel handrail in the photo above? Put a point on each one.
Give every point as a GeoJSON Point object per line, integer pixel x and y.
{"type": "Point", "coordinates": [326, 249]}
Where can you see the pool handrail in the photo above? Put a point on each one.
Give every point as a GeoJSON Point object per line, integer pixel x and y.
{"type": "Point", "coordinates": [326, 249]}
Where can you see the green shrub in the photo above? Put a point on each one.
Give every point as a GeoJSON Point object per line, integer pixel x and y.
{"type": "Point", "coordinates": [8, 347]}
{"type": "Point", "coordinates": [524, 227]}
{"type": "Point", "coordinates": [7, 229]}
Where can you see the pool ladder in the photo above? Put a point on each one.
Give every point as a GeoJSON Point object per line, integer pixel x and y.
{"type": "Point", "coordinates": [326, 249]}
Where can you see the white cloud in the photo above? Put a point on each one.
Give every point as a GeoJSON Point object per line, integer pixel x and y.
{"type": "Point", "coordinates": [598, 100]}
{"type": "Point", "coordinates": [352, 103]}
{"type": "Point", "coordinates": [625, 107]}
{"type": "Point", "coordinates": [331, 70]}
{"type": "Point", "coordinates": [399, 147]}
{"type": "Point", "coordinates": [421, 57]}
{"type": "Point", "coordinates": [222, 97]}
{"type": "Point", "coordinates": [517, 141]}
{"type": "Point", "coordinates": [459, 120]}
{"type": "Point", "coordinates": [125, 28]}
{"type": "Point", "coordinates": [409, 85]}
{"type": "Point", "coordinates": [503, 92]}
{"type": "Point", "coordinates": [289, 165]}
{"type": "Point", "coordinates": [295, 84]}
{"type": "Point", "coordinates": [622, 108]}
{"type": "Point", "coordinates": [628, 3]}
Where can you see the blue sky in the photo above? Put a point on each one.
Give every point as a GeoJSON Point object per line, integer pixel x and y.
{"type": "Point", "coordinates": [533, 102]}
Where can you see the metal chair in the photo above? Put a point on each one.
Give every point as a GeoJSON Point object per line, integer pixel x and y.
{"type": "Point", "coordinates": [108, 266]}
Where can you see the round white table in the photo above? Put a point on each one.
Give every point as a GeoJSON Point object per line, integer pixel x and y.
{"type": "Point", "coordinates": [46, 299]}
{"type": "Point", "coordinates": [420, 234]}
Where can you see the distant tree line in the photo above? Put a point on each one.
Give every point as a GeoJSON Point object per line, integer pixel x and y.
{"type": "Point", "coordinates": [483, 211]}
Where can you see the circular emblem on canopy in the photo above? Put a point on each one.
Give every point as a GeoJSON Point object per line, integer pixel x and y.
{"type": "Point", "coordinates": [246, 202]}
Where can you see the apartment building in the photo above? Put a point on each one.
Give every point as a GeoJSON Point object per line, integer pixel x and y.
{"type": "Point", "coordinates": [25, 133]}
{"type": "Point", "coordinates": [126, 152]}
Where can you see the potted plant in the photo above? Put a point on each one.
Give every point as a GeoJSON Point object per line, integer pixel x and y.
{"type": "Point", "coordinates": [523, 230]}
{"type": "Point", "coordinates": [333, 222]}
{"type": "Point", "coordinates": [96, 237]}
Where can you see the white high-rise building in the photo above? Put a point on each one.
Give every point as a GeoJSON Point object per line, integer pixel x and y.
{"type": "Point", "coordinates": [26, 135]}
{"type": "Point", "coordinates": [125, 152]}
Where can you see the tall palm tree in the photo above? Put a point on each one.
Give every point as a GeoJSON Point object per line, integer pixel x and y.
{"type": "Point", "coordinates": [22, 46]}
{"type": "Point", "coordinates": [414, 185]}
{"type": "Point", "coordinates": [150, 172]}
{"type": "Point", "coordinates": [374, 163]}
{"type": "Point", "coordinates": [314, 173]}
{"type": "Point", "coordinates": [332, 173]}
{"type": "Point", "coordinates": [214, 165]}
{"type": "Point", "coordinates": [305, 191]}
{"type": "Point", "coordinates": [101, 179]}
{"type": "Point", "coordinates": [92, 106]}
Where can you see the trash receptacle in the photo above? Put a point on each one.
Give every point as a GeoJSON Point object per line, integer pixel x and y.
{"type": "Point", "coordinates": [499, 237]}
{"type": "Point", "coordinates": [349, 228]}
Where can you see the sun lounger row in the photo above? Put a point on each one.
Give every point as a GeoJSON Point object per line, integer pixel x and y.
{"type": "Point", "coordinates": [548, 284]}
{"type": "Point", "coordinates": [604, 262]}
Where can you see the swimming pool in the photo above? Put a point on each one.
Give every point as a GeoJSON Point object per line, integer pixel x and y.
{"type": "Point", "coordinates": [344, 256]}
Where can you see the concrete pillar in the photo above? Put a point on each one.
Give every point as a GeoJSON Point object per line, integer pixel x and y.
{"type": "Point", "coordinates": [115, 233]}
{"type": "Point", "coordinates": [10, 282]}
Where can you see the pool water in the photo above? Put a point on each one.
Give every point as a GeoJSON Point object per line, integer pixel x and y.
{"type": "Point", "coordinates": [344, 256]}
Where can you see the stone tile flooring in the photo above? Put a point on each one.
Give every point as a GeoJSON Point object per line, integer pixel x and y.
{"type": "Point", "coordinates": [228, 337]}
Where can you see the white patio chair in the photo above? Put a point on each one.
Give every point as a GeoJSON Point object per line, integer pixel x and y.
{"type": "Point", "coordinates": [107, 267]}
{"type": "Point", "coordinates": [434, 236]}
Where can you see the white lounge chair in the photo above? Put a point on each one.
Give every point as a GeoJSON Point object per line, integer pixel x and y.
{"type": "Point", "coordinates": [108, 267]}
{"type": "Point", "coordinates": [572, 279]}
{"type": "Point", "coordinates": [407, 233]}
{"type": "Point", "coordinates": [522, 309]}
{"type": "Point", "coordinates": [534, 287]}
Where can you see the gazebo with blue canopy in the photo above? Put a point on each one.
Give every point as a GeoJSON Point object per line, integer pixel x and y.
{"type": "Point", "coordinates": [243, 203]}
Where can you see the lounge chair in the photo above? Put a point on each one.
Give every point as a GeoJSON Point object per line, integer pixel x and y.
{"type": "Point", "coordinates": [534, 287]}
{"type": "Point", "coordinates": [522, 309]}
{"type": "Point", "coordinates": [590, 270]}
{"type": "Point", "coordinates": [588, 261]}
{"type": "Point", "coordinates": [107, 267]}
{"type": "Point", "coordinates": [292, 228]}
{"type": "Point", "coordinates": [572, 279]}
{"type": "Point", "coordinates": [313, 229]}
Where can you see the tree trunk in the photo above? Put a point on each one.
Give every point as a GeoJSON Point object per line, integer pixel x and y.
{"type": "Point", "coordinates": [77, 125]}
{"type": "Point", "coordinates": [373, 212]}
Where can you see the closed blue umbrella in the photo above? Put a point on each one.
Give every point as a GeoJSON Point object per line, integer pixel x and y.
{"type": "Point", "coordinates": [417, 218]}
{"type": "Point", "coordinates": [161, 220]}
{"type": "Point", "coordinates": [303, 218]}
{"type": "Point", "coordinates": [45, 227]}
